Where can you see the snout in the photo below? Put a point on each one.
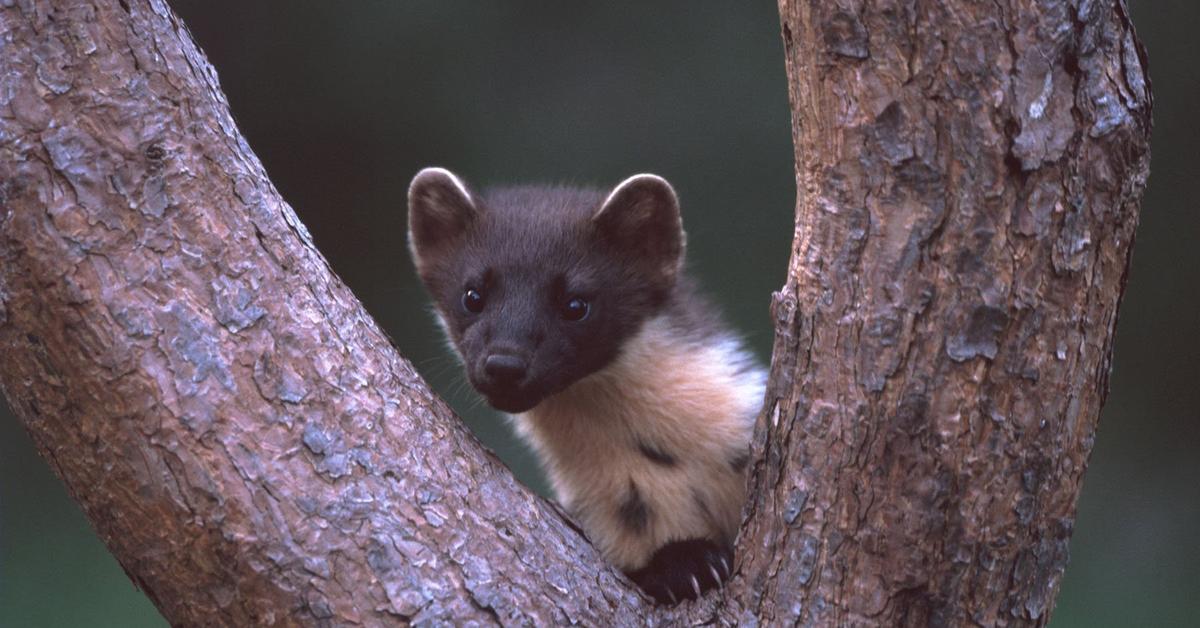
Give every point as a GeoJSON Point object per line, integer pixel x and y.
{"type": "Point", "coordinates": [505, 369]}
{"type": "Point", "coordinates": [504, 379]}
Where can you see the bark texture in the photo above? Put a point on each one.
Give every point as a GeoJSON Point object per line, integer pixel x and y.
{"type": "Point", "coordinates": [969, 177]}
{"type": "Point", "coordinates": [238, 430]}
{"type": "Point", "coordinates": [254, 451]}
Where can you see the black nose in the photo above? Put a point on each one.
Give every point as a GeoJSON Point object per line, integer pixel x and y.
{"type": "Point", "coordinates": [505, 369]}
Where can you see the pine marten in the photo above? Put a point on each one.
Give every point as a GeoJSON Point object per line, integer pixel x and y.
{"type": "Point", "coordinates": [570, 311]}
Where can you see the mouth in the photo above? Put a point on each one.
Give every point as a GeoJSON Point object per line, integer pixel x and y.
{"type": "Point", "coordinates": [512, 404]}
{"type": "Point", "coordinates": [513, 398]}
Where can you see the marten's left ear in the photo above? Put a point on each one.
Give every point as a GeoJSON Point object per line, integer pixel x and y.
{"type": "Point", "coordinates": [641, 219]}
{"type": "Point", "coordinates": [440, 210]}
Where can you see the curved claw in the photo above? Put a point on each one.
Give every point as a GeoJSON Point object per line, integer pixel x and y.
{"type": "Point", "coordinates": [674, 571]}
{"type": "Point", "coordinates": [716, 576]}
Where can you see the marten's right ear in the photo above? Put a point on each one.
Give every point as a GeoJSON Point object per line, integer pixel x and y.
{"type": "Point", "coordinates": [641, 219]}
{"type": "Point", "coordinates": [440, 208]}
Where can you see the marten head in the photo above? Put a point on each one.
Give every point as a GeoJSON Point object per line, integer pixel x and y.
{"type": "Point", "coordinates": [538, 287]}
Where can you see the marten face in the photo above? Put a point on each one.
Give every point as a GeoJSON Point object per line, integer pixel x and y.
{"type": "Point", "coordinates": [538, 287]}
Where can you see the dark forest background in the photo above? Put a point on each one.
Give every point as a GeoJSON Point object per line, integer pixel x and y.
{"type": "Point", "coordinates": [344, 102]}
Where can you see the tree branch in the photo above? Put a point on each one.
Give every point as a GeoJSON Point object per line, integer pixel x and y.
{"type": "Point", "coordinates": [239, 431]}
{"type": "Point", "coordinates": [252, 449]}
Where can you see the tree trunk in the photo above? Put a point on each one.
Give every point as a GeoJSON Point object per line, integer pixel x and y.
{"type": "Point", "coordinates": [254, 451]}
{"type": "Point", "coordinates": [969, 176]}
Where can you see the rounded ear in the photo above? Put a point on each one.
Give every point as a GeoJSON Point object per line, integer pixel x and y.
{"type": "Point", "coordinates": [440, 208]}
{"type": "Point", "coordinates": [641, 218]}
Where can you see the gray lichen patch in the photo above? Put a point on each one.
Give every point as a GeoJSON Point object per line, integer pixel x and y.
{"type": "Point", "coordinates": [133, 318]}
{"type": "Point", "coordinates": [74, 154]}
{"type": "Point", "coordinates": [846, 36]}
{"type": "Point", "coordinates": [980, 336]}
{"type": "Point", "coordinates": [794, 505]}
{"type": "Point", "coordinates": [276, 381]}
{"type": "Point", "coordinates": [331, 456]}
{"type": "Point", "coordinates": [1074, 241]}
{"type": "Point", "coordinates": [234, 303]}
{"type": "Point", "coordinates": [192, 348]}
{"type": "Point", "coordinates": [143, 188]}
{"type": "Point", "coordinates": [1046, 123]}
{"type": "Point", "coordinates": [316, 439]}
{"type": "Point", "coordinates": [1110, 115]}
{"type": "Point", "coordinates": [403, 586]}
{"type": "Point", "coordinates": [53, 64]}
{"type": "Point", "coordinates": [154, 197]}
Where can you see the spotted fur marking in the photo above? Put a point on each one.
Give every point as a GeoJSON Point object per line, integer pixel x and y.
{"type": "Point", "coordinates": [633, 512]}
{"type": "Point", "coordinates": [656, 455]}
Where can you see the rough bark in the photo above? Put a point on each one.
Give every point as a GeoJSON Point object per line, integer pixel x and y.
{"type": "Point", "coordinates": [238, 430]}
{"type": "Point", "coordinates": [969, 177]}
{"type": "Point", "coordinates": [254, 451]}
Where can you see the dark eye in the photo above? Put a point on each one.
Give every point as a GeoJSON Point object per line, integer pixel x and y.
{"type": "Point", "coordinates": [576, 309]}
{"type": "Point", "coordinates": [473, 301]}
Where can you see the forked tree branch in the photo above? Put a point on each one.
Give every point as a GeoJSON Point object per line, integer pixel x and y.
{"type": "Point", "coordinates": [253, 450]}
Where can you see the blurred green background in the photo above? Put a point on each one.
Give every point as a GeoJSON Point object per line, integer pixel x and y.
{"type": "Point", "coordinates": [345, 102]}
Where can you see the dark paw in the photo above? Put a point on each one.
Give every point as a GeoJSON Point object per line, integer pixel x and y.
{"type": "Point", "coordinates": [684, 570]}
